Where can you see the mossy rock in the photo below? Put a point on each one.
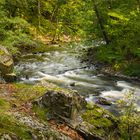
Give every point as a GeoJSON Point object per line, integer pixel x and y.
{"type": "Point", "coordinates": [6, 61]}
{"type": "Point", "coordinates": [62, 104]}
{"type": "Point", "coordinates": [105, 124]}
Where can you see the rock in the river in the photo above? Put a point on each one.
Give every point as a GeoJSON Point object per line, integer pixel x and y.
{"type": "Point", "coordinates": [103, 101]}
{"type": "Point", "coordinates": [6, 64]}
{"type": "Point", "coordinates": [63, 105]}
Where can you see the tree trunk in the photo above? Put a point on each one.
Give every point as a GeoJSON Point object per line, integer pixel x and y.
{"type": "Point", "coordinates": [104, 33]}
{"type": "Point", "coordinates": [39, 13]}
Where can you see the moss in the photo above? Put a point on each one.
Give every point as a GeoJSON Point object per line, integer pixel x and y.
{"type": "Point", "coordinates": [104, 123]}
{"type": "Point", "coordinates": [25, 92]}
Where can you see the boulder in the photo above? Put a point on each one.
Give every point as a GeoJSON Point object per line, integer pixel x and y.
{"type": "Point", "coordinates": [66, 108]}
{"type": "Point", "coordinates": [6, 64]}
{"type": "Point", "coordinates": [63, 105]}
{"type": "Point", "coordinates": [11, 77]}
{"type": "Point", "coordinates": [103, 101]}
{"type": "Point", "coordinates": [6, 61]}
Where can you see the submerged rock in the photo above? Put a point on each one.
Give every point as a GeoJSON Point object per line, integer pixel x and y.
{"type": "Point", "coordinates": [103, 101]}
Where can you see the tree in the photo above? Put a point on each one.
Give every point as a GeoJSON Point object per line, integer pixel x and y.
{"type": "Point", "coordinates": [100, 22]}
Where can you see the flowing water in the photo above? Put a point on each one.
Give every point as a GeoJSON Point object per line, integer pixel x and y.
{"type": "Point", "coordinates": [65, 69]}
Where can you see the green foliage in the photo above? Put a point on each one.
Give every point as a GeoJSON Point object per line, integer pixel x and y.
{"type": "Point", "coordinates": [114, 21]}
{"type": "Point", "coordinates": [130, 118]}
{"type": "Point", "coordinates": [133, 69]}
{"type": "Point", "coordinates": [4, 105]}
{"type": "Point", "coordinates": [117, 23]}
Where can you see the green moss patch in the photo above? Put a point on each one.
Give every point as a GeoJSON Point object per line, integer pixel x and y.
{"type": "Point", "coordinates": [104, 123]}
{"type": "Point", "coordinates": [25, 92]}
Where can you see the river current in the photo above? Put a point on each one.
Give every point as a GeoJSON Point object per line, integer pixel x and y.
{"type": "Point", "coordinates": [65, 69]}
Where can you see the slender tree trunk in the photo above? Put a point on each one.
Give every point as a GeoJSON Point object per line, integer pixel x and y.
{"type": "Point", "coordinates": [39, 14]}
{"type": "Point", "coordinates": [104, 33]}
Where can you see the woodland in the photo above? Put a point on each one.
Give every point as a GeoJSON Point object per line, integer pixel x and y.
{"type": "Point", "coordinates": [61, 59]}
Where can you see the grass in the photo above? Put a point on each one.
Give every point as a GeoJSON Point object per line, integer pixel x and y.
{"type": "Point", "coordinates": [40, 112]}
{"type": "Point", "coordinates": [25, 92]}
{"type": "Point", "coordinates": [10, 125]}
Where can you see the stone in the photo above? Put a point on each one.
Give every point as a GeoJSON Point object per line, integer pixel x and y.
{"type": "Point", "coordinates": [44, 130]}
{"type": "Point", "coordinates": [10, 77]}
{"type": "Point", "coordinates": [72, 84]}
{"type": "Point", "coordinates": [62, 104]}
{"type": "Point", "coordinates": [6, 65]}
{"type": "Point", "coordinates": [86, 131]}
{"type": "Point", "coordinates": [103, 101]}
{"type": "Point", "coordinates": [6, 61]}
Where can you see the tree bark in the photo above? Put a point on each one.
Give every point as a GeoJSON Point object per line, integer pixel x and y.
{"type": "Point", "coordinates": [104, 33]}
{"type": "Point", "coordinates": [39, 13]}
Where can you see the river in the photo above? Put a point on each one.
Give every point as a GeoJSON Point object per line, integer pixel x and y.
{"type": "Point", "coordinates": [65, 69]}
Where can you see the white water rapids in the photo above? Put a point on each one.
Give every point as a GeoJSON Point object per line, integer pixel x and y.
{"type": "Point", "coordinates": [65, 69]}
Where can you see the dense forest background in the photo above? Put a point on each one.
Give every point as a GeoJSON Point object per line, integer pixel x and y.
{"type": "Point", "coordinates": [25, 23]}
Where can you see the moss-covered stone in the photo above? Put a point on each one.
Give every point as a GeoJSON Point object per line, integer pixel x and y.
{"type": "Point", "coordinates": [6, 65]}
{"type": "Point", "coordinates": [6, 61]}
{"type": "Point", "coordinates": [105, 124]}
{"type": "Point", "coordinates": [62, 104]}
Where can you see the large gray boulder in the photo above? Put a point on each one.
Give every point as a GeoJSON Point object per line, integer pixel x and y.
{"type": "Point", "coordinates": [63, 105]}
{"type": "Point", "coordinates": [6, 65]}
